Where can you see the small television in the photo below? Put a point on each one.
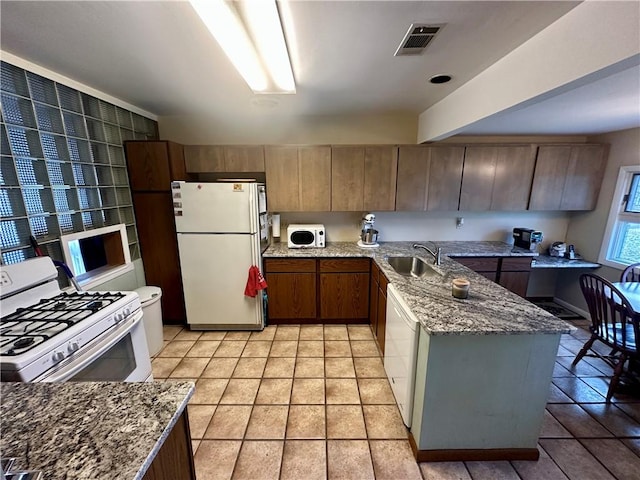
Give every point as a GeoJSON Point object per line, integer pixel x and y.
{"type": "Point", "coordinates": [99, 255]}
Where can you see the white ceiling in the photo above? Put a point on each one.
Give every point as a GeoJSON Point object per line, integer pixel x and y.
{"type": "Point", "coordinates": [160, 57]}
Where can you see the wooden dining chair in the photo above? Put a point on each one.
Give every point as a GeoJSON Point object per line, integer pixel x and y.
{"type": "Point", "coordinates": [631, 273]}
{"type": "Point", "coordinates": [612, 323]}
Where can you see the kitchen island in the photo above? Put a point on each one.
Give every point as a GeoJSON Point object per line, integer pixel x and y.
{"type": "Point", "coordinates": [484, 364]}
{"type": "Point", "coordinates": [98, 431]}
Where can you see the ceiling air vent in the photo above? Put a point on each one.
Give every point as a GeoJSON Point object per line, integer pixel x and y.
{"type": "Point", "coordinates": [417, 38]}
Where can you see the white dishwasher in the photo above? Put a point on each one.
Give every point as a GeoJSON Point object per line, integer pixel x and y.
{"type": "Point", "coordinates": [400, 351]}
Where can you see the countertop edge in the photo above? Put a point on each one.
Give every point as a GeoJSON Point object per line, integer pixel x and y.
{"type": "Point", "coordinates": [165, 433]}
{"type": "Point", "coordinates": [524, 319]}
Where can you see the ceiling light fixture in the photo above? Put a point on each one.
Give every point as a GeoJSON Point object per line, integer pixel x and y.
{"type": "Point", "coordinates": [227, 27]}
{"type": "Point", "coordinates": [440, 78]}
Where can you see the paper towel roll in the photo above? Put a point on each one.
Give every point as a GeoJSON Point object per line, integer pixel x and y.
{"type": "Point", "coordinates": [275, 225]}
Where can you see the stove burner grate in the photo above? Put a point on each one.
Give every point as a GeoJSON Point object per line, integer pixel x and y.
{"type": "Point", "coordinates": [28, 327]}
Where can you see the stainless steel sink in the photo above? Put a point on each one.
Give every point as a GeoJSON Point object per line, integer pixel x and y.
{"type": "Point", "coordinates": [412, 267]}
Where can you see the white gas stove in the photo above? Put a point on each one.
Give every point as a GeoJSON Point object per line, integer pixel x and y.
{"type": "Point", "coordinates": [50, 335]}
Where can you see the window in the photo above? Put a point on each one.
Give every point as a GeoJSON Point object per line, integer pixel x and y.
{"type": "Point", "coordinates": [621, 246]}
{"type": "Point", "coordinates": [62, 164]}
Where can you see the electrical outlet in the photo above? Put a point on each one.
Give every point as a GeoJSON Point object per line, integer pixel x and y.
{"type": "Point", "coordinates": [5, 279]}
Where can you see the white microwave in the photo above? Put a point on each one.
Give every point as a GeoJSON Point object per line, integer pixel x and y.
{"type": "Point", "coordinates": [306, 236]}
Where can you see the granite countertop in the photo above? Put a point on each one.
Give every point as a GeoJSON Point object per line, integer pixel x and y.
{"type": "Point", "coordinates": [547, 261]}
{"type": "Point", "coordinates": [95, 430]}
{"type": "Point", "coordinates": [490, 309]}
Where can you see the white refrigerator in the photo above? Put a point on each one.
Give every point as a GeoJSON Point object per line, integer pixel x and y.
{"type": "Point", "coordinates": [222, 230]}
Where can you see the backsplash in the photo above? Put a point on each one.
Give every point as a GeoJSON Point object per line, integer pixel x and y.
{"type": "Point", "coordinates": [408, 226]}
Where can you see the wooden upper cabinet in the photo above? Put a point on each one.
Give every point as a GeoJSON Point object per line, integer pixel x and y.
{"type": "Point", "coordinates": [347, 179]}
{"type": "Point", "coordinates": [363, 178]}
{"type": "Point", "coordinates": [248, 158]}
{"type": "Point", "coordinates": [497, 177]}
{"type": "Point", "coordinates": [445, 178]}
{"type": "Point", "coordinates": [584, 177]}
{"type": "Point", "coordinates": [204, 158]}
{"type": "Point", "coordinates": [282, 176]}
{"type": "Point", "coordinates": [152, 165]}
{"type": "Point", "coordinates": [567, 177]}
{"type": "Point", "coordinates": [513, 175]}
{"type": "Point", "coordinates": [224, 158]}
{"type": "Point", "coordinates": [413, 178]}
{"type": "Point", "coordinates": [380, 172]}
{"type": "Point", "coordinates": [429, 178]}
{"type": "Point", "coordinates": [315, 178]}
{"type": "Point", "coordinates": [298, 178]}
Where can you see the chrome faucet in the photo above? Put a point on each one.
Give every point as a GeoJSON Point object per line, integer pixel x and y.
{"type": "Point", "coordinates": [435, 255]}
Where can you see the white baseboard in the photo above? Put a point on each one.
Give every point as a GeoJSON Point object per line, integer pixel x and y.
{"type": "Point", "coordinates": [580, 311]}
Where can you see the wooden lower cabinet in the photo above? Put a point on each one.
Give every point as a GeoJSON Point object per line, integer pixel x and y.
{"type": "Point", "coordinates": [488, 267]}
{"type": "Point", "coordinates": [382, 312]}
{"type": "Point", "coordinates": [510, 272]}
{"type": "Point", "coordinates": [374, 287]}
{"type": "Point", "coordinates": [317, 291]}
{"type": "Point", "coordinates": [292, 296]}
{"type": "Point", "coordinates": [344, 296]}
{"type": "Point", "coordinates": [174, 461]}
{"type": "Point", "coordinates": [514, 274]}
{"type": "Point", "coordinates": [291, 289]}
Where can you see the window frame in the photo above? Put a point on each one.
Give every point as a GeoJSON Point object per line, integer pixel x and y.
{"type": "Point", "coordinates": [616, 214]}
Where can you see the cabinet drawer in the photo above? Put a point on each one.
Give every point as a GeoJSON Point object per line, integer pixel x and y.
{"type": "Point", "coordinates": [287, 265]}
{"type": "Point", "coordinates": [479, 264]}
{"type": "Point", "coordinates": [516, 264]}
{"type": "Point", "coordinates": [340, 265]}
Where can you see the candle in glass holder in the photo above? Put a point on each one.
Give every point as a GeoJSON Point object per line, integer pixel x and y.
{"type": "Point", "coordinates": [460, 287]}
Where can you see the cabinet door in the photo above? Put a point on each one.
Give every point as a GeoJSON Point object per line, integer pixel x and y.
{"type": "Point", "coordinates": [477, 180]}
{"type": "Point", "coordinates": [584, 176]}
{"type": "Point", "coordinates": [148, 166]}
{"type": "Point", "coordinates": [445, 178]}
{"type": "Point", "coordinates": [315, 178]}
{"type": "Point", "coordinates": [344, 295]}
{"type": "Point", "coordinates": [282, 175]}
{"type": "Point", "coordinates": [159, 249]}
{"type": "Point", "coordinates": [567, 177]}
{"type": "Point", "coordinates": [175, 458]}
{"type": "Point", "coordinates": [413, 178]}
{"type": "Point", "coordinates": [549, 177]}
{"type": "Point", "coordinates": [204, 158]}
{"type": "Point", "coordinates": [373, 302]}
{"type": "Point", "coordinates": [347, 179]}
{"type": "Point", "coordinates": [513, 176]}
{"type": "Point", "coordinates": [249, 158]}
{"type": "Point", "coordinates": [291, 295]}
{"type": "Point", "coordinates": [382, 312]}
{"type": "Point", "coordinates": [380, 172]}
{"type": "Point", "coordinates": [517, 282]}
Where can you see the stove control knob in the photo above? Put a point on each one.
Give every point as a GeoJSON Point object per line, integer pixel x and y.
{"type": "Point", "coordinates": [73, 347]}
{"type": "Point", "coordinates": [118, 317]}
{"type": "Point", "coordinates": [126, 311]}
{"type": "Point", "coordinates": [58, 356]}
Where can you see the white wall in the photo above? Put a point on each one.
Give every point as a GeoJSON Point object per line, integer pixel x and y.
{"type": "Point", "coordinates": [586, 230]}
{"type": "Point", "coordinates": [563, 56]}
{"type": "Point", "coordinates": [268, 130]}
{"type": "Point", "coordinates": [127, 281]}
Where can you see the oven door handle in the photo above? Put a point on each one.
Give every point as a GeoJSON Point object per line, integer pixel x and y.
{"type": "Point", "coordinates": [96, 348]}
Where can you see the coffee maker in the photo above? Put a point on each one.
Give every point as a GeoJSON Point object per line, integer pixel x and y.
{"type": "Point", "coordinates": [527, 238]}
{"type": "Point", "coordinates": [368, 235]}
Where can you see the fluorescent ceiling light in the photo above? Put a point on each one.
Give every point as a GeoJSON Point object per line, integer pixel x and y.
{"type": "Point", "coordinates": [264, 23]}
{"type": "Point", "coordinates": [224, 23]}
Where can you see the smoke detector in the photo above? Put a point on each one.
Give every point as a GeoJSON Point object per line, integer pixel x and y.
{"type": "Point", "coordinates": [417, 38]}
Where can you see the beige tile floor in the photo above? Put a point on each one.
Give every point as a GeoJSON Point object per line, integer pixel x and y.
{"type": "Point", "coordinates": [313, 402]}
